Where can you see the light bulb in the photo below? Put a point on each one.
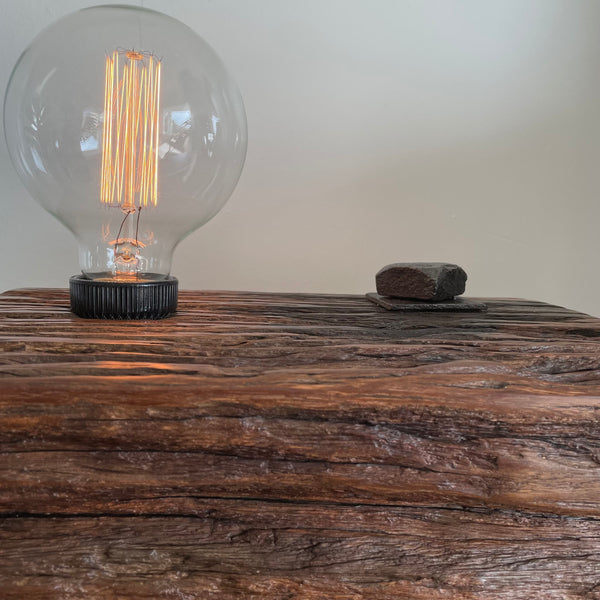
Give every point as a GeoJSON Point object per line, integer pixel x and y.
{"type": "Point", "coordinates": [125, 125]}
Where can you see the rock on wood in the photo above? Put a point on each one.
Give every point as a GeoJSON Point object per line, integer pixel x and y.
{"type": "Point", "coordinates": [421, 281]}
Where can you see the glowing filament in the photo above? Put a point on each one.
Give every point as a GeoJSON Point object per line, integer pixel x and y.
{"type": "Point", "coordinates": [130, 132]}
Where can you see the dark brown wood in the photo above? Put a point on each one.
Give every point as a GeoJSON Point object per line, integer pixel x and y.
{"type": "Point", "coordinates": [299, 446]}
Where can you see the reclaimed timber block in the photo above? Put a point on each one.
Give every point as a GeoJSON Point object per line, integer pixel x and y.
{"type": "Point", "coordinates": [299, 446]}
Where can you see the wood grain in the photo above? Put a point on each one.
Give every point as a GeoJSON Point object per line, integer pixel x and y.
{"type": "Point", "coordinates": [299, 446]}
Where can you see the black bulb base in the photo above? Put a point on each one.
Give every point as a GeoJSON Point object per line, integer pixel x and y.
{"type": "Point", "coordinates": [94, 299]}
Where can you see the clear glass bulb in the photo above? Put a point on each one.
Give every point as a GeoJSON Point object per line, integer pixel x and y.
{"type": "Point", "coordinates": [124, 124]}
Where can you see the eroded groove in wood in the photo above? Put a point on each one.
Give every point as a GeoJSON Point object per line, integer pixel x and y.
{"type": "Point", "coordinates": [541, 479]}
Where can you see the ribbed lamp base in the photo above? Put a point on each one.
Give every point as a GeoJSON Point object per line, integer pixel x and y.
{"type": "Point", "coordinates": [93, 299]}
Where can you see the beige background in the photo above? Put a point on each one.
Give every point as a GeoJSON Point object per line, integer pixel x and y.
{"type": "Point", "coordinates": [465, 131]}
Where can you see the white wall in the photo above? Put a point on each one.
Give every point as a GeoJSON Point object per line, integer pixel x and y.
{"type": "Point", "coordinates": [465, 131]}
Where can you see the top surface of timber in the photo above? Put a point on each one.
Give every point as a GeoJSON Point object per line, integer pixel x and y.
{"type": "Point", "coordinates": [299, 446]}
{"type": "Point", "coordinates": [297, 353]}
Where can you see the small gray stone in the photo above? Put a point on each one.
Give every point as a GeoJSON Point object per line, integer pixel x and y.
{"type": "Point", "coordinates": [421, 281]}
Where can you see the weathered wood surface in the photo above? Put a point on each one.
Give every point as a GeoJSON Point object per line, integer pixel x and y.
{"type": "Point", "coordinates": [299, 446]}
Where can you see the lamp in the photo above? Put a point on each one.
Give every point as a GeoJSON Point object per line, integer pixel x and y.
{"type": "Point", "coordinates": [125, 125]}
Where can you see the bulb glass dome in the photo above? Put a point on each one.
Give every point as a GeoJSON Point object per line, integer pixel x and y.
{"type": "Point", "coordinates": [124, 124]}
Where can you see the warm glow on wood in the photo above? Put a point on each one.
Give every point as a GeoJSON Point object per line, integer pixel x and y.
{"type": "Point", "coordinates": [130, 132]}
